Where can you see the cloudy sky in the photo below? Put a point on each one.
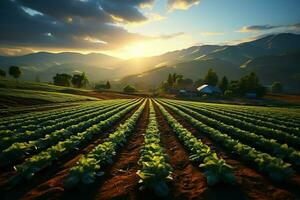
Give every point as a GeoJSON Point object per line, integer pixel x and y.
{"type": "Point", "coordinates": [132, 28]}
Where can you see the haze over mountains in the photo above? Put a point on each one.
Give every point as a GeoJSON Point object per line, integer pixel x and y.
{"type": "Point", "coordinates": [273, 58]}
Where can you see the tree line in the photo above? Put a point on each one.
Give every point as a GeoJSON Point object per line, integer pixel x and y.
{"type": "Point", "coordinates": [246, 84]}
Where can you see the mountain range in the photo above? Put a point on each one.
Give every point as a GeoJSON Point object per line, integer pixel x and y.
{"type": "Point", "coordinates": [273, 58]}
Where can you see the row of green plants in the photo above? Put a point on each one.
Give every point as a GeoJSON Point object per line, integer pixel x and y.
{"type": "Point", "coordinates": [41, 115]}
{"type": "Point", "coordinates": [63, 114]}
{"type": "Point", "coordinates": [59, 121]}
{"type": "Point", "coordinates": [32, 117]}
{"type": "Point", "coordinates": [270, 133]}
{"type": "Point", "coordinates": [32, 165]}
{"type": "Point", "coordinates": [253, 119]}
{"type": "Point", "coordinates": [89, 166]}
{"type": "Point", "coordinates": [215, 169]}
{"type": "Point", "coordinates": [156, 170]}
{"type": "Point", "coordinates": [267, 145]}
{"type": "Point", "coordinates": [20, 150]}
{"type": "Point", "coordinates": [249, 114]}
{"type": "Point", "coordinates": [287, 117]}
{"type": "Point", "coordinates": [275, 168]}
{"type": "Point", "coordinates": [33, 108]}
{"type": "Point", "coordinates": [71, 125]}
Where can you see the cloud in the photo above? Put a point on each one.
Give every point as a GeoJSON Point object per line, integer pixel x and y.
{"type": "Point", "coordinates": [255, 28]}
{"type": "Point", "coordinates": [169, 36]}
{"type": "Point", "coordinates": [258, 28]}
{"type": "Point", "coordinates": [181, 4]}
{"type": "Point", "coordinates": [13, 51]}
{"type": "Point", "coordinates": [71, 24]}
{"type": "Point", "coordinates": [211, 33]}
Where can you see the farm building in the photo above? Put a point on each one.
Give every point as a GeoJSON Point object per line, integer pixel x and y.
{"type": "Point", "coordinates": [208, 89]}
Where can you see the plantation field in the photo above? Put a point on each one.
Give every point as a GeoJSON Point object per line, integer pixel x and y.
{"type": "Point", "coordinates": [149, 149]}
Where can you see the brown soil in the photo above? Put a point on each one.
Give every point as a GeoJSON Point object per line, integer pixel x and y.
{"type": "Point", "coordinates": [252, 183]}
{"type": "Point", "coordinates": [50, 181]}
{"type": "Point", "coordinates": [188, 181]}
{"type": "Point", "coordinates": [121, 181]}
{"type": "Point", "coordinates": [286, 98]}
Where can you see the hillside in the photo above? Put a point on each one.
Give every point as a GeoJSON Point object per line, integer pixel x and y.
{"type": "Point", "coordinates": [192, 69]}
{"type": "Point", "coordinates": [45, 65]}
{"type": "Point", "coordinates": [271, 68]}
{"type": "Point", "coordinates": [232, 61]}
{"type": "Point", "coordinates": [267, 57]}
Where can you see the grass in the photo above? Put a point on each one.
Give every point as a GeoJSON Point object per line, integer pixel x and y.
{"type": "Point", "coordinates": [54, 97]}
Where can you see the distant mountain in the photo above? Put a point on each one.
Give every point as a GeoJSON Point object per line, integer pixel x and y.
{"type": "Point", "coordinates": [273, 58]}
{"type": "Point", "coordinates": [45, 65]}
{"type": "Point", "coordinates": [140, 65]}
{"type": "Point", "coordinates": [269, 45]}
{"type": "Point", "coordinates": [190, 69]}
{"type": "Point", "coordinates": [284, 68]}
{"type": "Point", "coordinates": [46, 59]}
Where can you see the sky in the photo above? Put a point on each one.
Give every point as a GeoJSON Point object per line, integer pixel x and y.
{"type": "Point", "coordinates": [138, 28]}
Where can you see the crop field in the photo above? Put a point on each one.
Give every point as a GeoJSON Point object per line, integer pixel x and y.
{"type": "Point", "coordinates": [150, 149]}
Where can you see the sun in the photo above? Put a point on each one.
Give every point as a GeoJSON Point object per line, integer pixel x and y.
{"type": "Point", "coordinates": [136, 50]}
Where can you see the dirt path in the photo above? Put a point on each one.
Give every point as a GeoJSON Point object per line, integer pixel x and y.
{"type": "Point", "coordinates": [121, 181]}
{"type": "Point", "coordinates": [189, 182]}
{"type": "Point", "coordinates": [253, 184]}
{"type": "Point", "coordinates": [49, 182]}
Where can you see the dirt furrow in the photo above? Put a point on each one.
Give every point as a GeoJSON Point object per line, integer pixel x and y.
{"type": "Point", "coordinates": [121, 180]}
{"type": "Point", "coordinates": [252, 183]}
{"type": "Point", "coordinates": [188, 181]}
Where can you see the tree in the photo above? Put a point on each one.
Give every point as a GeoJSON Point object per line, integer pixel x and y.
{"type": "Point", "coordinates": [129, 89]}
{"type": "Point", "coordinates": [62, 80]}
{"type": "Point", "coordinates": [170, 80]}
{"type": "Point", "coordinates": [224, 84]}
{"type": "Point", "coordinates": [211, 78]}
{"type": "Point", "coordinates": [183, 83]}
{"type": "Point", "coordinates": [276, 87]}
{"type": "Point", "coordinates": [15, 72]}
{"type": "Point", "coordinates": [250, 84]}
{"type": "Point", "coordinates": [79, 80]}
{"type": "Point", "coordinates": [107, 85]}
{"type": "Point", "coordinates": [2, 73]}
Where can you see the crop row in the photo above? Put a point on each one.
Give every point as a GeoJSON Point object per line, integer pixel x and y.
{"type": "Point", "coordinates": [251, 119]}
{"type": "Point", "coordinates": [19, 150]}
{"type": "Point", "coordinates": [267, 145]}
{"type": "Point", "coordinates": [89, 166]}
{"type": "Point", "coordinates": [65, 126]}
{"type": "Point", "coordinates": [156, 170]}
{"type": "Point", "coordinates": [261, 116]}
{"type": "Point", "coordinates": [215, 169]}
{"type": "Point", "coordinates": [40, 117]}
{"type": "Point", "coordinates": [22, 110]}
{"type": "Point", "coordinates": [275, 168]}
{"type": "Point", "coordinates": [270, 133]}
{"type": "Point", "coordinates": [273, 113]}
{"type": "Point", "coordinates": [58, 121]}
{"type": "Point", "coordinates": [31, 166]}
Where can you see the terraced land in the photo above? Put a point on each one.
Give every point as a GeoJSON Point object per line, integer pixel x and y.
{"type": "Point", "coordinates": [150, 149]}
